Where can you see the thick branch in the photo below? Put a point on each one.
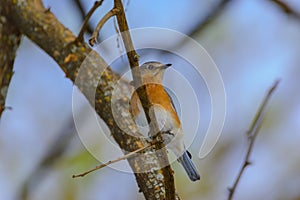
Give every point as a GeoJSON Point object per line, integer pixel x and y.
{"type": "Point", "coordinates": [41, 26]}
{"type": "Point", "coordinates": [9, 43]}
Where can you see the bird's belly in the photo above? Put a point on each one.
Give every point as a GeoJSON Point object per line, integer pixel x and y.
{"type": "Point", "coordinates": [172, 134]}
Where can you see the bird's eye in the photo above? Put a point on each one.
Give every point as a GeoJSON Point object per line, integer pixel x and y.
{"type": "Point", "coordinates": [150, 67]}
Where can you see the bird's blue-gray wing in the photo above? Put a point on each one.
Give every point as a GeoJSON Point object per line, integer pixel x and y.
{"type": "Point", "coordinates": [174, 101]}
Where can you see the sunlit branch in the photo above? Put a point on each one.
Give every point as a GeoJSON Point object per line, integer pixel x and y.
{"type": "Point", "coordinates": [129, 155]}
{"type": "Point", "coordinates": [86, 20]}
{"type": "Point", "coordinates": [106, 17]}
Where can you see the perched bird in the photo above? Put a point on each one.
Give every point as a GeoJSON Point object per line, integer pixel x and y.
{"type": "Point", "coordinates": [167, 119]}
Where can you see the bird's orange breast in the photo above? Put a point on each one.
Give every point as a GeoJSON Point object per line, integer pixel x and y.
{"type": "Point", "coordinates": [157, 96]}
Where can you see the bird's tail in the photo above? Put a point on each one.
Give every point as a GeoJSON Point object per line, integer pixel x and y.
{"type": "Point", "coordinates": [186, 161]}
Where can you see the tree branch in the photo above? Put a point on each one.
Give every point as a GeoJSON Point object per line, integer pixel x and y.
{"type": "Point", "coordinates": [129, 155]}
{"type": "Point", "coordinates": [9, 43]}
{"type": "Point", "coordinates": [214, 13]}
{"type": "Point", "coordinates": [87, 18]}
{"type": "Point", "coordinates": [286, 8]}
{"type": "Point", "coordinates": [252, 133]}
{"type": "Point", "coordinates": [106, 17]}
{"type": "Point", "coordinates": [133, 58]}
{"type": "Point", "coordinates": [42, 27]}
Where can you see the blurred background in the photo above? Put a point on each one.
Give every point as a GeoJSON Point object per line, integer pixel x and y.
{"type": "Point", "coordinates": [253, 43]}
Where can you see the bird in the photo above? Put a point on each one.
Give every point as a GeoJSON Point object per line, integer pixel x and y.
{"type": "Point", "coordinates": [162, 106]}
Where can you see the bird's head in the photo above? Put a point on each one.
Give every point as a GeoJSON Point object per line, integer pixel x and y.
{"type": "Point", "coordinates": [153, 71]}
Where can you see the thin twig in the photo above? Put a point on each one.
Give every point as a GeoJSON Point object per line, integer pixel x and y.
{"type": "Point", "coordinates": [129, 155]}
{"type": "Point", "coordinates": [286, 8]}
{"type": "Point", "coordinates": [252, 133]}
{"type": "Point", "coordinates": [202, 25]}
{"type": "Point", "coordinates": [106, 17]}
{"type": "Point", "coordinates": [86, 20]}
{"type": "Point", "coordinates": [214, 13]}
{"type": "Point", "coordinates": [79, 5]}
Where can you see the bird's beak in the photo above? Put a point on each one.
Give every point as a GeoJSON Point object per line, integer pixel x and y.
{"type": "Point", "coordinates": [165, 66]}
